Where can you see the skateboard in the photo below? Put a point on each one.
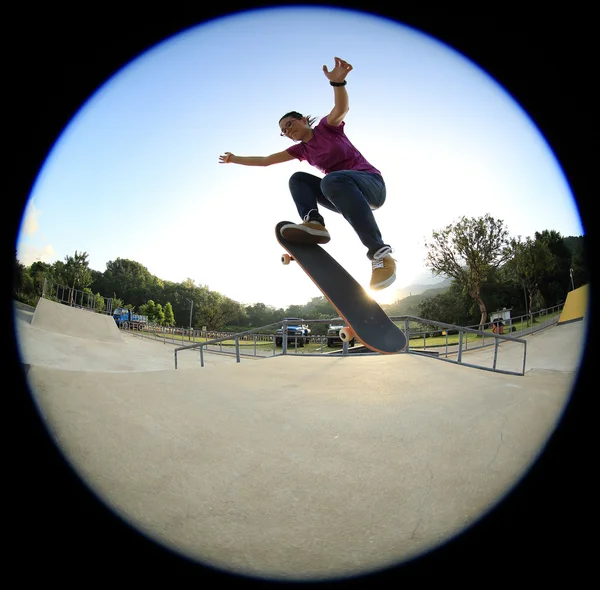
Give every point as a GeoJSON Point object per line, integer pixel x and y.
{"type": "Point", "coordinates": [365, 319]}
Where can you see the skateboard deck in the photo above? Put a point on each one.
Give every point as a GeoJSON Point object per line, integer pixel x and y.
{"type": "Point", "coordinates": [362, 314]}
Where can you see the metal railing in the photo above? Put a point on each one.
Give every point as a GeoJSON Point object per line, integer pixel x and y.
{"type": "Point", "coordinates": [447, 342]}
{"type": "Point", "coordinates": [455, 345]}
{"type": "Point", "coordinates": [518, 327]}
{"type": "Point", "coordinates": [77, 298]}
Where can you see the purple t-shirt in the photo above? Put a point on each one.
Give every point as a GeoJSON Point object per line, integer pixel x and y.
{"type": "Point", "coordinates": [329, 150]}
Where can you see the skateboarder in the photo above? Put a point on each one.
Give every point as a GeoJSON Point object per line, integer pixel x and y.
{"type": "Point", "coordinates": [350, 186]}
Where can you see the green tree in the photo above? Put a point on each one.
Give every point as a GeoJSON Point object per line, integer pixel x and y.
{"type": "Point", "coordinates": [453, 306]}
{"type": "Point", "coordinates": [23, 288]}
{"type": "Point", "coordinates": [216, 311]}
{"type": "Point", "coordinates": [319, 308]}
{"type": "Point", "coordinates": [19, 271]}
{"type": "Point", "coordinates": [148, 309]}
{"type": "Point", "coordinates": [116, 302]}
{"type": "Point", "coordinates": [531, 262]}
{"type": "Point", "coordinates": [59, 274]}
{"type": "Point", "coordinates": [94, 301]}
{"type": "Point", "coordinates": [76, 273]}
{"type": "Point", "coordinates": [467, 251]}
{"type": "Point", "coordinates": [37, 272]}
{"type": "Point", "coordinates": [131, 281]}
{"type": "Point", "coordinates": [260, 314]}
{"type": "Point", "coordinates": [100, 302]}
{"type": "Point", "coordinates": [579, 260]}
{"type": "Point", "coordinates": [555, 285]}
{"type": "Point", "coordinates": [295, 311]}
{"type": "Point", "coordinates": [159, 315]}
{"type": "Point", "coordinates": [169, 316]}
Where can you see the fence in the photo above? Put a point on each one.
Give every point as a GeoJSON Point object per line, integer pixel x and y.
{"type": "Point", "coordinates": [447, 342]}
{"type": "Point", "coordinates": [77, 297]}
{"type": "Point", "coordinates": [518, 327]}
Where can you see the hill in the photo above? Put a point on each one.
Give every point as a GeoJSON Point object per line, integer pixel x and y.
{"type": "Point", "coordinates": [408, 305]}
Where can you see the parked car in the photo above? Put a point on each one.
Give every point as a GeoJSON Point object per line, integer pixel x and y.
{"type": "Point", "coordinates": [333, 336]}
{"type": "Point", "coordinates": [297, 332]}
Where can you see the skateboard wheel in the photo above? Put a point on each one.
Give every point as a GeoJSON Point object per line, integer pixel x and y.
{"type": "Point", "coordinates": [286, 259]}
{"type": "Point", "coordinates": [346, 334]}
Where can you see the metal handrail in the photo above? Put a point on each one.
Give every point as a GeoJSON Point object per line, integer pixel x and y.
{"type": "Point", "coordinates": [461, 347]}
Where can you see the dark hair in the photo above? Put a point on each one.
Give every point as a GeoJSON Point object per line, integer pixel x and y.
{"type": "Point", "coordinates": [296, 115]}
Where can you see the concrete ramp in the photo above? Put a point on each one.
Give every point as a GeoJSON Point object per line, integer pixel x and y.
{"type": "Point", "coordinates": [73, 321]}
{"type": "Point", "coordinates": [575, 306]}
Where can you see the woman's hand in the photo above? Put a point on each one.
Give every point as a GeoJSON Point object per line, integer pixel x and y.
{"type": "Point", "coordinates": [339, 72]}
{"type": "Point", "coordinates": [224, 159]}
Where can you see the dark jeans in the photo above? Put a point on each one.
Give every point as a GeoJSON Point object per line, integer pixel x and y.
{"type": "Point", "coordinates": [353, 194]}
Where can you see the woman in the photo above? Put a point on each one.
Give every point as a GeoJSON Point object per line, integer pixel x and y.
{"type": "Point", "coordinates": [350, 186]}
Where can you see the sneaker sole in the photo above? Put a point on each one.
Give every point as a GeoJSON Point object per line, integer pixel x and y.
{"type": "Point", "coordinates": [384, 284]}
{"type": "Point", "coordinates": [293, 234]}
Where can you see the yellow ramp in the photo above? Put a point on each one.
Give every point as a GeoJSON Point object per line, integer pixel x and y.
{"type": "Point", "coordinates": [575, 305]}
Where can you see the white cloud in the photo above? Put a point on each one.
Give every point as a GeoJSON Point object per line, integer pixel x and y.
{"type": "Point", "coordinates": [28, 254]}
{"type": "Point", "coordinates": [30, 224]}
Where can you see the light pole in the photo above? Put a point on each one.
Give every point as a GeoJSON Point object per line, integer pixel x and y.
{"type": "Point", "coordinates": [191, 307]}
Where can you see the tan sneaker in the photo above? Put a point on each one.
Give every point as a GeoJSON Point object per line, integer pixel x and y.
{"type": "Point", "coordinates": [307, 232]}
{"type": "Point", "coordinates": [384, 269]}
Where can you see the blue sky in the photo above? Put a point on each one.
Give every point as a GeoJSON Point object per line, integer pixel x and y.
{"type": "Point", "coordinates": [136, 174]}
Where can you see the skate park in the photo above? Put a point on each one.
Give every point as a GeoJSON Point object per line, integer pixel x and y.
{"type": "Point", "coordinates": [294, 467]}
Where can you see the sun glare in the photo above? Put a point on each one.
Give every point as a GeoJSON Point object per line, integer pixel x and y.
{"type": "Point", "coordinates": [384, 296]}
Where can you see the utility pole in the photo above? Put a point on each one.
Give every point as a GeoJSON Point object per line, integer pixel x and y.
{"type": "Point", "coordinates": [191, 307]}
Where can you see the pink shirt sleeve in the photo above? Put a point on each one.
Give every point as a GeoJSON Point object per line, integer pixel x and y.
{"type": "Point", "coordinates": [296, 150]}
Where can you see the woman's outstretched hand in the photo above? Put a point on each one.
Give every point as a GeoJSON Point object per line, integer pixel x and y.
{"type": "Point", "coordinates": [224, 159]}
{"type": "Point", "coordinates": [339, 72]}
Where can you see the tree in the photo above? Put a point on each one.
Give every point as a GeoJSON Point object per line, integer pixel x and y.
{"type": "Point", "coordinates": [451, 307]}
{"type": "Point", "coordinates": [295, 311]}
{"type": "Point", "coordinates": [169, 317]}
{"type": "Point", "coordinates": [116, 302]}
{"type": "Point", "coordinates": [260, 314]}
{"type": "Point", "coordinates": [579, 264]}
{"type": "Point", "coordinates": [467, 251]}
{"type": "Point", "coordinates": [216, 311]}
{"type": "Point", "coordinates": [23, 284]}
{"type": "Point", "coordinates": [76, 273]}
{"type": "Point", "coordinates": [94, 301]}
{"type": "Point", "coordinates": [18, 274]}
{"type": "Point", "coordinates": [318, 307]}
{"type": "Point", "coordinates": [555, 285]}
{"type": "Point", "coordinates": [131, 281]}
{"type": "Point", "coordinates": [148, 309]}
{"type": "Point", "coordinates": [532, 261]}
{"type": "Point", "coordinates": [40, 271]}
{"type": "Point", "coordinates": [159, 315]}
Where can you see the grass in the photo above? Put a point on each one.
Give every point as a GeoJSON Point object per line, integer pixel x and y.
{"type": "Point", "coordinates": [522, 324]}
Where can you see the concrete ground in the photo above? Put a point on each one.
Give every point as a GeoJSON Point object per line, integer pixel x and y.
{"type": "Point", "coordinates": [297, 468]}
